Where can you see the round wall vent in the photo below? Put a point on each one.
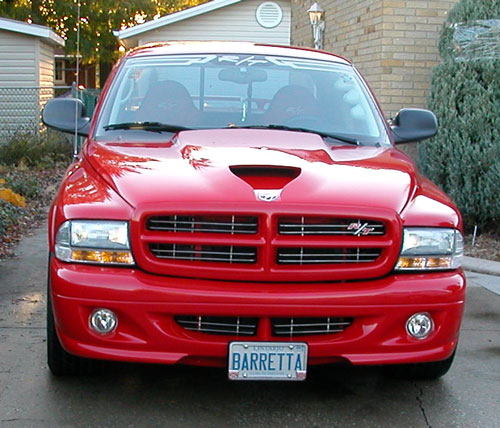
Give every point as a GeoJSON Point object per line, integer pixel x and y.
{"type": "Point", "coordinates": [269, 14]}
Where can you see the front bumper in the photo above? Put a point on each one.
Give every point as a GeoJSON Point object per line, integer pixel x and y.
{"type": "Point", "coordinates": [147, 304]}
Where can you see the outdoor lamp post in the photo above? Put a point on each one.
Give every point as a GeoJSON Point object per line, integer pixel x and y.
{"type": "Point", "coordinates": [318, 24]}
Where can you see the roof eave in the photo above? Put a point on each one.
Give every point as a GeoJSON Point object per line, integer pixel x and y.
{"type": "Point", "coordinates": [55, 39]}
{"type": "Point", "coordinates": [173, 17]}
{"type": "Point", "coordinates": [31, 30]}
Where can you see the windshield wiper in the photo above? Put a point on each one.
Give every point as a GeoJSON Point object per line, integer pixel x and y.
{"type": "Point", "coordinates": [341, 138]}
{"type": "Point", "coordinates": [146, 126]}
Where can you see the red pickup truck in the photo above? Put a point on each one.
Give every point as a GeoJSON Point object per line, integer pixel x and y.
{"type": "Point", "coordinates": [245, 206]}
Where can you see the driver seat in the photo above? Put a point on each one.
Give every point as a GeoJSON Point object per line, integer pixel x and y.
{"type": "Point", "coordinates": [291, 101]}
{"type": "Point", "coordinates": [168, 102]}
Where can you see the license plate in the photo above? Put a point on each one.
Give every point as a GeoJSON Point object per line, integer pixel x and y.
{"type": "Point", "coordinates": [267, 361]}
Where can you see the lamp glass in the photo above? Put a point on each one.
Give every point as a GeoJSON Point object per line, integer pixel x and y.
{"type": "Point", "coordinates": [315, 14]}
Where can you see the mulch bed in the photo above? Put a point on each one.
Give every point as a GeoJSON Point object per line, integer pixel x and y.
{"type": "Point", "coordinates": [35, 213]}
{"type": "Point", "coordinates": [487, 246]}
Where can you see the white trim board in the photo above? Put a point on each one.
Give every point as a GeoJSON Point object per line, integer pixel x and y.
{"type": "Point", "coordinates": [174, 17]}
{"type": "Point", "coordinates": [31, 30]}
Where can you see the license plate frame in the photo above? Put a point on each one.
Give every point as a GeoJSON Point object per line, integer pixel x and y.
{"type": "Point", "coordinates": [267, 361]}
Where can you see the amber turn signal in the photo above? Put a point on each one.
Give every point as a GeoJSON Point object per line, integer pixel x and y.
{"type": "Point", "coordinates": [102, 256]}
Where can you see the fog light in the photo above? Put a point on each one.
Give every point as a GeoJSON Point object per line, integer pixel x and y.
{"type": "Point", "coordinates": [419, 325]}
{"type": "Point", "coordinates": [103, 321]}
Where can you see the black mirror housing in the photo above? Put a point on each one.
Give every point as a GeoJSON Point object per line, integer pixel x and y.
{"type": "Point", "coordinates": [63, 114]}
{"type": "Point", "coordinates": [413, 124]}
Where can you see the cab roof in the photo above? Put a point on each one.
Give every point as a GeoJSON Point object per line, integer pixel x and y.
{"type": "Point", "coordinates": [190, 47]}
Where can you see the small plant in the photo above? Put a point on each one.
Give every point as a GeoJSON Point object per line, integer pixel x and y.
{"type": "Point", "coordinates": [9, 195]}
{"type": "Point", "coordinates": [30, 167]}
{"type": "Point", "coordinates": [22, 183]}
{"type": "Point", "coordinates": [39, 151]}
{"type": "Point", "coordinates": [9, 215]}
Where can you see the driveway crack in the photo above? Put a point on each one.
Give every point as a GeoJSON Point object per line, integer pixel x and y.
{"type": "Point", "coordinates": [421, 404]}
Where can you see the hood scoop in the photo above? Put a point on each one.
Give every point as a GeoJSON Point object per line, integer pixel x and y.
{"type": "Point", "coordinates": [265, 176]}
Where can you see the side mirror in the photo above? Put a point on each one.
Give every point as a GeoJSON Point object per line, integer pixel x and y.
{"type": "Point", "coordinates": [64, 113]}
{"type": "Point", "coordinates": [413, 124]}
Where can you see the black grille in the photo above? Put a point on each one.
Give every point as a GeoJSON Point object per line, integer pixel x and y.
{"type": "Point", "coordinates": [205, 253]}
{"type": "Point", "coordinates": [230, 224]}
{"type": "Point", "coordinates": [304, 326]}
{"type": "Point", "coordinates": [300, 225]}
{"type": "Point", "coordinates": [234, 326]}
{"type": "Point", "coordinates": [304, 256]}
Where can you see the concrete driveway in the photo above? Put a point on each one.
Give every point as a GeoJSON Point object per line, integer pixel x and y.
{"type": "Point", "coordinates": [156, 396]}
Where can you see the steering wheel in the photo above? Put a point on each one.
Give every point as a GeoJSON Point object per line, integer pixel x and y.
{"type": "Point", "coordinates": [303, 121]}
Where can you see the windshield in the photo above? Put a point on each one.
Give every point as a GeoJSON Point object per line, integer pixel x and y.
{"type": "Point", "coordinates": [221, 90]}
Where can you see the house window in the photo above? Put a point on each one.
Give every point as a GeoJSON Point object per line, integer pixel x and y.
{"type": "Point", "coordinates": [60, 72]}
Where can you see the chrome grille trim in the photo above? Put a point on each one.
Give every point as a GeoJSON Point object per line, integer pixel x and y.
{"type": "Point", "coordinates": [302, 255]}
{"type": "Point", "coordinates": [305, 326]}
{"type": "Point", "coordinates": [230, 224]}
{"type": "Point", "coordinates": [234, 326]}
{"type": "Point", "coordinates": [205, 253]}
{"type": "Point", "coordinates": [302, 226]}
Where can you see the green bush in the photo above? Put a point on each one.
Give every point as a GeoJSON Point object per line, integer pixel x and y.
{"type": "Point", "coordinates": [465, 11]}
{"type": "Point", "coordinates": [24, 184]}
{"type": "Point", "coordinates": [35, 151]}
{"type": "Point", "coordinates": [464, 157]}
{"type": "Point", "coordinates": [9, 215]}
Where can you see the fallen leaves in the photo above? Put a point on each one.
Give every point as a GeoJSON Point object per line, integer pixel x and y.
{"type": "Point", "coordinates": [486, 246]}
{"type": "Point", "coordinates": [17, 220]}
{"type": "Point", "coordinates": [10, 196]}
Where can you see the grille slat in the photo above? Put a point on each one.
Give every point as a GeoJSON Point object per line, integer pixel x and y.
{"type": "Point", "coordinates": [216, 324]}
{"type": "Point", "coordinates": [317, 324]}
{"type": "Point", "coordinates": [301, 255]}
{"type": "Point", "coordinates": [193, 229]}
{"type": "Point", "coordinates": [246, 326]}
{"type": "Point", "coordinates": [301, 225]}
{"type": "Point", "coordinates": [305, 326]}
{"type": "Point", "coordinates": [236, 326]}
{"type": "Point", "coordinates": [229, 224]}
{"type": "Point", "coordinates": [205, 253]}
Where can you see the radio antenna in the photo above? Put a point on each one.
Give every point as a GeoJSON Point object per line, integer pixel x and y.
{"type": "Point", "coordinates": [77, 82]}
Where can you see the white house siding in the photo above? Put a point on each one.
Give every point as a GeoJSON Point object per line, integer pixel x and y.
{"type": "Point", "coordinates": [47, 64]}
{"type": "Point", "coordinates": [24, 67]}
{"type": "Point", "coordinates": [18, 65]}
{"type": "Point", "coordinates": [236, 22]}
{"type": "Point", "coordinates": [46, 71]}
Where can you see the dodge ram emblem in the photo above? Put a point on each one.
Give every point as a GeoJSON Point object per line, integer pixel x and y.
{"type": "Point", "coordinates": [267, 195]}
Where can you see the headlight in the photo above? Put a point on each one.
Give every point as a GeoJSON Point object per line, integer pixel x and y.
{"type": "Point", "coordinates": [430, 249]}
{"type": "Point", "coordinates": [94, 241]}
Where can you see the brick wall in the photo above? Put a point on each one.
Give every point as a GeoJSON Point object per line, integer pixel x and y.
{"type": "Point", "coordinates": [392, 42]}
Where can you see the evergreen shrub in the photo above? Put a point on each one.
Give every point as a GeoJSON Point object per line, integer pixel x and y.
{"type": "Point", "coordinates": [464, 157]}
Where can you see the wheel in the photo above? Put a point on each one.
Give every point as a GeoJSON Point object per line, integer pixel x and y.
{"type": "Point", "coordinates": [432, 370]}
{"type": "Point", "coordinates": [62, 363]}
{"type": "Point", "coordinates": [304, 121]}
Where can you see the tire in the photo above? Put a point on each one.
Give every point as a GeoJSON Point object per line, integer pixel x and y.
{"type": "Point", "coordinates": [62, 363]}
{"type": "Point", "coordinates": [429, 371]}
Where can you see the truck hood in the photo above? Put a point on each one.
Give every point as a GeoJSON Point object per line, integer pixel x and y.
{"type": "Point", "coordinates": [233, 165]}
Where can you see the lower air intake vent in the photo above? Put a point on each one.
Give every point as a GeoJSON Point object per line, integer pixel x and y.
{"type": "Point", "coordinates": [303, 256]}
{"type": "Point", "coordinates": [205, 253]}
{"type": "Point", "coordinates": [304, 326]}
{"type": "Point", "coordinates": [233, 326]}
